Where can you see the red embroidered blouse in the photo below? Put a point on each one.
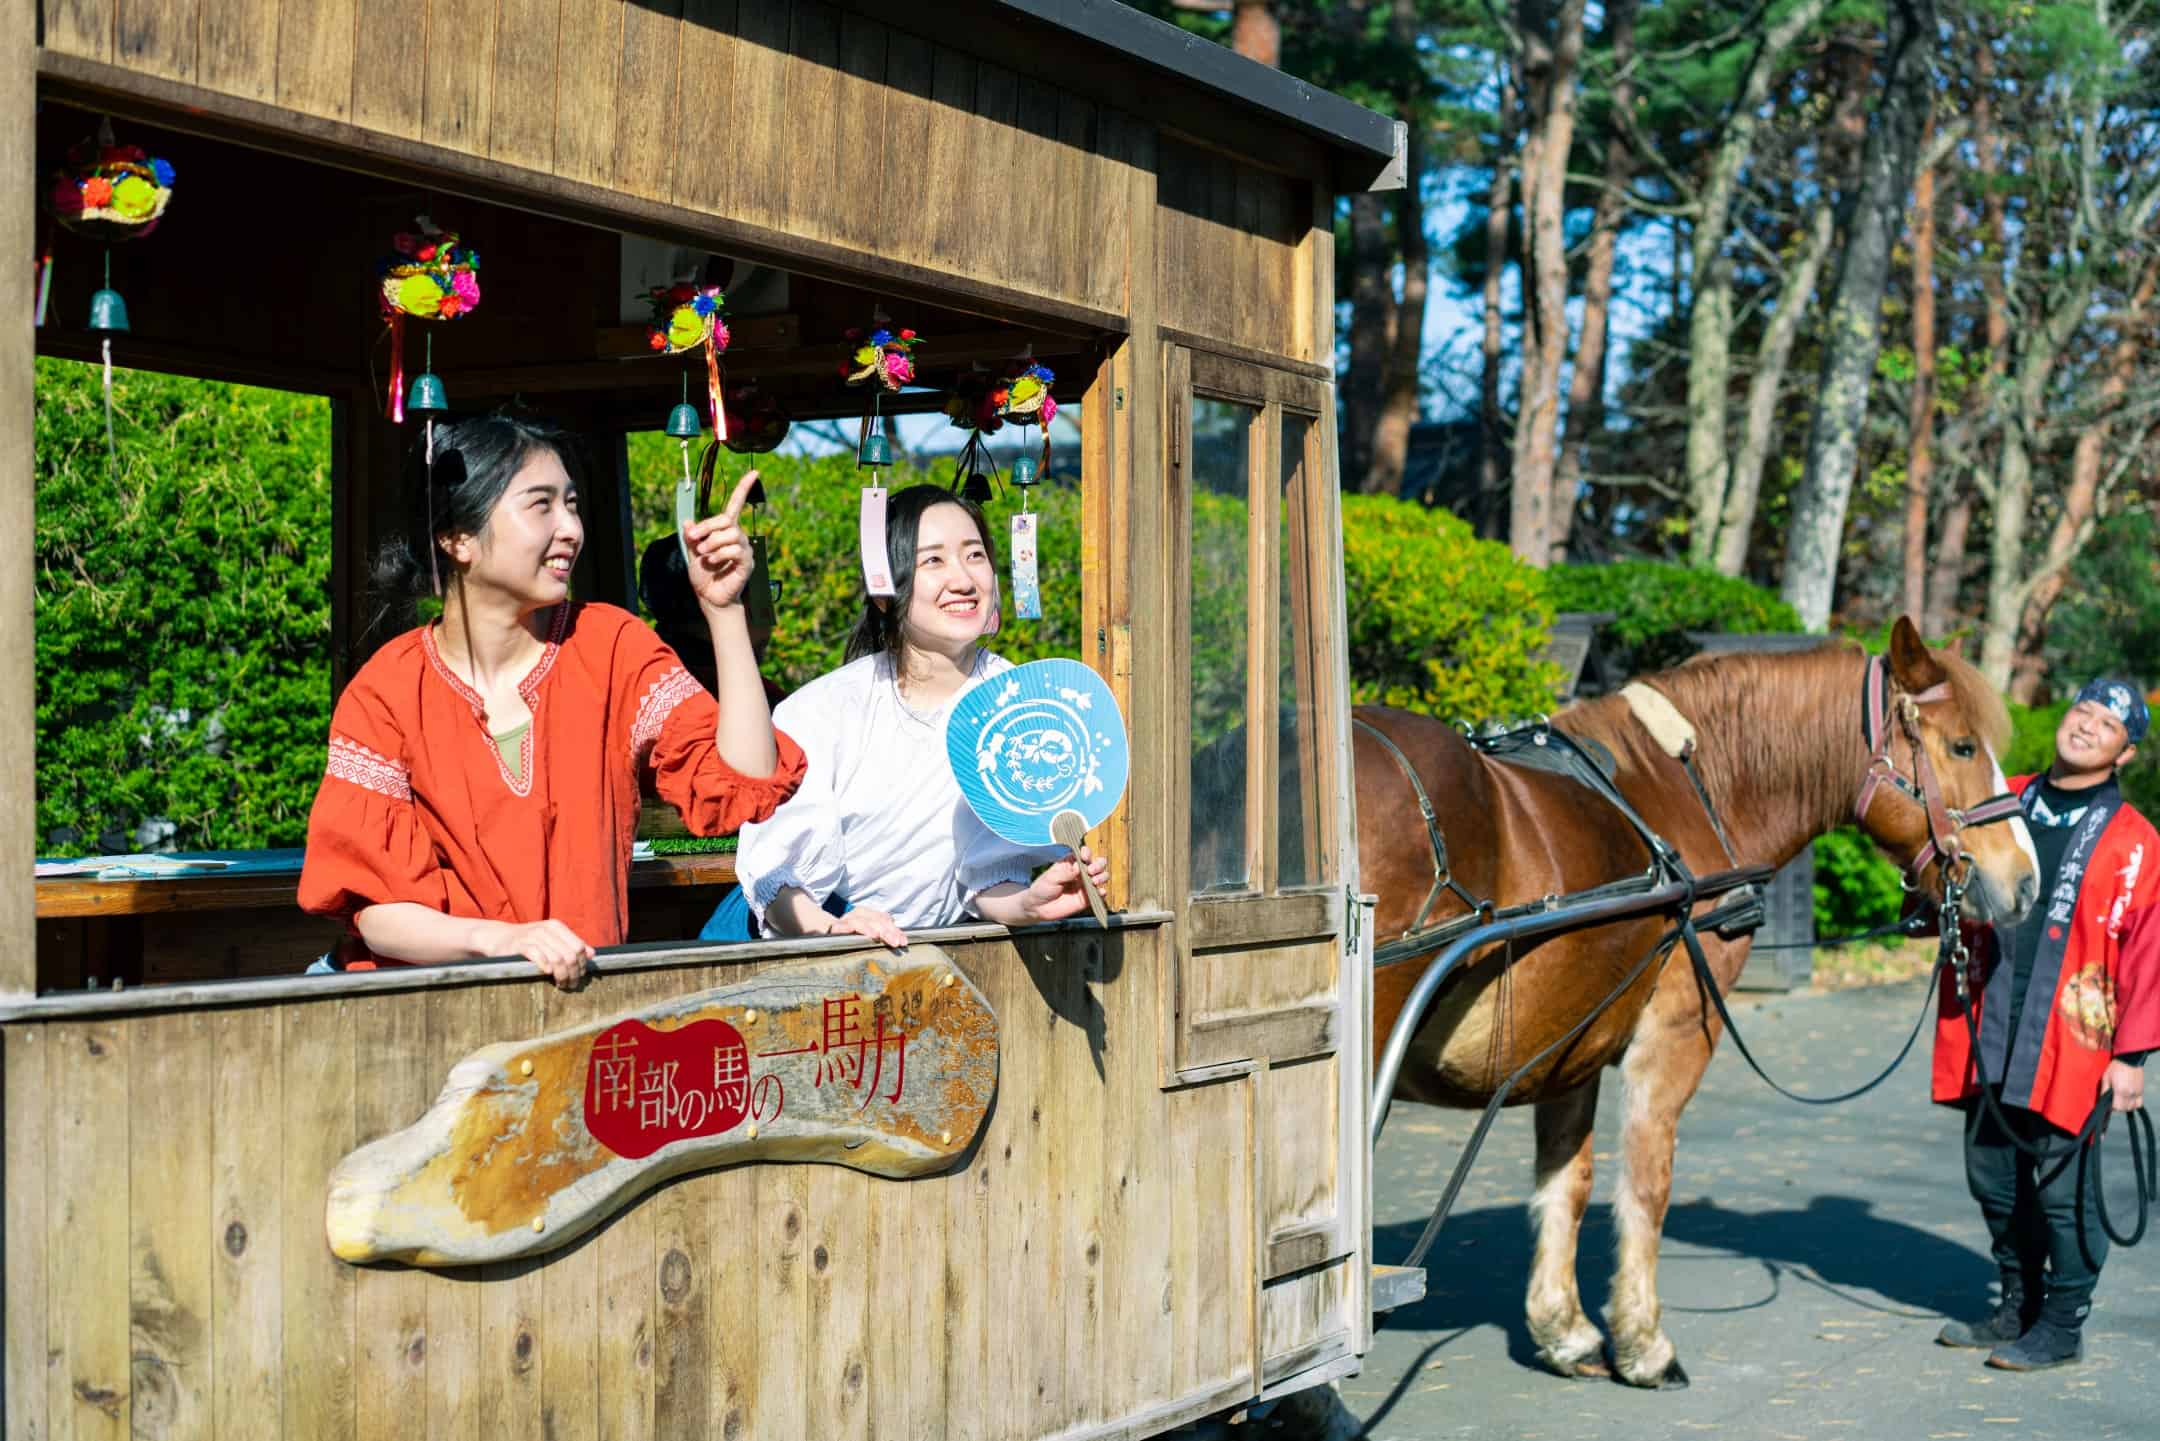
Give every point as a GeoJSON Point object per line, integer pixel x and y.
{"type": "Point", "coordinates": [417, 805]}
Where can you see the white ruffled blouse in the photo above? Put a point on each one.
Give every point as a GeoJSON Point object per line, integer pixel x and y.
{"type": "Point", "coordinates": [879, 820]}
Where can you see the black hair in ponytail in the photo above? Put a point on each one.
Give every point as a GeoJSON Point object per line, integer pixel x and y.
{"type": "Point", "coordinates": [475, 461]}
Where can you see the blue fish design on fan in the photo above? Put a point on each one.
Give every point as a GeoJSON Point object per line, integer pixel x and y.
{"type": "Point", "coordinates": [1040, 740]}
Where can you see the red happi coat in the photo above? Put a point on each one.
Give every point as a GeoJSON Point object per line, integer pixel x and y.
{"type": "Point", "coordinates": [2102, 1000]}
{"type": "Point", "coordinates": [417, 805]}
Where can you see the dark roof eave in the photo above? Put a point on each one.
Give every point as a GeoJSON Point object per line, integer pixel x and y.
{"type": "Point", "coordinates": [1372, 144]}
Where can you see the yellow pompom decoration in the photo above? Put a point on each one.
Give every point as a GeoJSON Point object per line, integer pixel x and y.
{"type": "Point", "coordinates": [417, 295]}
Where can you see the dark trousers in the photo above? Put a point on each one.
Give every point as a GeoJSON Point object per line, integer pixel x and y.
{"type": "Point", "coordinates": [2032, 1210]}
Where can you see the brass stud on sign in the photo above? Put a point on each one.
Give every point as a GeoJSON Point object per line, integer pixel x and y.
{"type": "Point", "coordinates": [945, 980]}
{"type": "Point", "coordinates": [750, 1017]}
{"type": "Point", "coordinates": [539, 1223]}
{"type": "Point", "coordinates": [525, 1068]}
{"type": "Point", "coordinates": [752, 1132]}
{"type": "Point", "coordinates": [944, 1138]}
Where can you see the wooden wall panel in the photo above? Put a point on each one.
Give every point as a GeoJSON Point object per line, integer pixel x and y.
{"type": "Point", "coordinates": [1230, 254]}
{"type": "Point", "coordinates": [169, 1208]}
{"type": "Point", "coordinates": [1304, 1319]}
{"type": "Point", "coordinates": [314, 56]}
{"type": "Point", "coordinates": [27, 1239]}
{"type": "Point", "coordinates": [236, 47]}
{"type": "Point", "coordinates": [708, 170]}
{"type": "Point", "coordinates": [156, 37]}
{"type": "Point", "coordinates": [647, 137]}
{"type": "Point", "coordinates": [390, 66]}
{"type": "Point", "coordinates": [590, 65]}
{"type": "Point", "coordinates": [19, 225]}
{"type": "Point", "coordinates": [1261, 978]}
{"type": "Point", "coordinates": [1095, 1257]}
{"type": "Point", "coordinates": [522, 101]}
{"type": "Point", "coordinates": [1298, 1135]}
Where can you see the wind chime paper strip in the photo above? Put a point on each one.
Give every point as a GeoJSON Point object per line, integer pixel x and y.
{"type": "Point", "coordinates": [1027, 591]}
{"type": "Point", "coordinates": [876, 563]}
{"type": "Point", "coordinates": [1040, 739]}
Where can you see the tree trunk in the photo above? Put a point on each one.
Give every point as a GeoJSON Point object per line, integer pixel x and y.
{"type": "Point", "coordinates": [1854, 333]}
{"type": "Point", "coordinates": [1737, 527]}
{"type": "Point", "coordinates": [1586, 387]}
{"type": "Point", "coordinates": [1920, 427]}
{"type": "Point", "coordinates": [1947, 577]}
{"type": "Point", "coordinates": [1549, 67]}
{"type": "Point", "coordinates": [2081, 502]}
{"type": "Point", "coordinates": [1372, 322]}
{"type": "Point", "coordinates": [1255, 33]}
{"type": "Point", "coordinates": [2010, 506]}
{"type": "Point", "coordinates": [1709, 376]}
{"type": "Point", "coordinates": [1495, 441]}
{"type": "Point", "coordinates": [1399, 403]}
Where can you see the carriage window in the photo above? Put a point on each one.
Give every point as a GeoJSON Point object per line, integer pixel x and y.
{"type": "Point", "coordinates": [1297, 813]}
{"type": "Point", "coordinates": [1222, 445]}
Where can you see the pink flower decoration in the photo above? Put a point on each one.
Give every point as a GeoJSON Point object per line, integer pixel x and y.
{"type": "Point", "coordinates": [466, 286]}
{"type": "Point", "coordinates": [1049, 410]}
{"type": "Point", "coordinates": [720, 335]}
{"type": "Point", "coordinates": [899, 368]}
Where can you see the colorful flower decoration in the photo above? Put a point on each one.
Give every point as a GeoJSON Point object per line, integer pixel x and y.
{"type": "Point", "coordinates": [686, 317]}
{"type": "Point", "coordinates": [972, 404]}
{"type": "Point", "coordinates": [756, 423]}
{"type": "Point", "coordinates": [1024, 398]}
{"type": "Point", "coordinates": [882, 356]}
{"type": "Point", "coordinates": [427, 276]}
{"type": "Point", "coordinates": [114, 192]}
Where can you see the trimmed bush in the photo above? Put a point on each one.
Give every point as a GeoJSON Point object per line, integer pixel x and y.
{"type": "Point", "coordinates": [1440, 621]}
{"type": "Point", "coordinates": [1655, 605]}
{"type": "Point", "coordinates": [183, 613]}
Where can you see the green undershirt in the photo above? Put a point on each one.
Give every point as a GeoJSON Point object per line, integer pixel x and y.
{"type": "Point", "coordinates": [512, 745]}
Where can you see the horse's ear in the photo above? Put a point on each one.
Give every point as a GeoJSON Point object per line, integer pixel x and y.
{"type": "Point", "coordinates": [1911, 661]}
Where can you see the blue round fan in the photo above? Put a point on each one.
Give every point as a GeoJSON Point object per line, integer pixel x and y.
{"type": "Point", "coordinates": [1042, 739]}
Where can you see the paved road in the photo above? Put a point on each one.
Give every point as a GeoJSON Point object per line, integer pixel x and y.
{"type": "Point", "coordinates": [1809, 1259]}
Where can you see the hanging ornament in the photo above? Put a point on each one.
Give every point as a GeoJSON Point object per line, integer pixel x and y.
{"type": "Point", "coordinates": [429, 400]}
{"type": "Point", "coordinates": [686, 317]}
{"type": "Point", "coordinates": [682, 425]}
{"type": "Point", "coordinates": [1023, 399]}
{"type": "Point", "coordinates": [882, 359]}
{"type": "Point", "coordinates": [970, 408]}
{"type": "Point", "coordinates": [756, 422]}
{"type": "Point", "coordinates": [428, 276]}
{"type": "Point", "coordinates": [114, 193]}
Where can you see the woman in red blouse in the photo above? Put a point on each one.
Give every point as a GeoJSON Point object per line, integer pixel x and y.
{"type": "Point", "coordinates": [482, 787]}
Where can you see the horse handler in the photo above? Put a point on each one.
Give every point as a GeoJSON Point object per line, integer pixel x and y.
{"type": "Point", "coordinates": [2066, 1004]}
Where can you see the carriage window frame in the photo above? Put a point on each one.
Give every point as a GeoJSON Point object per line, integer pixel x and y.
{"type": "Point", "coordinates": [1280, 400]}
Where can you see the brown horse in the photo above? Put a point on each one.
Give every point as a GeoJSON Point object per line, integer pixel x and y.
{"type": "Point", "coordinates": [1780, 752]}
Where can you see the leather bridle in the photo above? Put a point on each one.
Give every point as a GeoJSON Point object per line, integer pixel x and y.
{"type": "Point", "coordinates": [1878, 704]}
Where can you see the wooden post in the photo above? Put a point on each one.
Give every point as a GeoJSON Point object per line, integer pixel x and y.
{"type": "Point", "coordinates": [18, 509]}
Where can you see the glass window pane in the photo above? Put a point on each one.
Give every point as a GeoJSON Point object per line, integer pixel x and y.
{"type": "Point", "coordinates": [1221, 666]}
{"type": "Point", "coordinates": [1297, 814]}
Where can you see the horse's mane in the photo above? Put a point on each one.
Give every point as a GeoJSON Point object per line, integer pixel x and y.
{"type": "Point", "coordinates": [1783, 696]}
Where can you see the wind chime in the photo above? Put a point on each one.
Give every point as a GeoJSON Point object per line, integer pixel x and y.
{"type": "Point", "coordinates": [427, 276]}
{"type": "Point", "coordinates": [113, 193]}
{"type": "Point", "coordinates": [883, 359]}
{"type": "Point", "coordinates": [970, 408]}
{"type": "Point", "coordinates": [687, 317]}
{"type": "Point", "coordinates": [1023, 399]}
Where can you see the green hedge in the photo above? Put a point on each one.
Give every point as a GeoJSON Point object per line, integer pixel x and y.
{"type": "Point", "coordinates": [183, 612]}
{"type": "Point", "coordinates": [1440, 621]}
{"type": "Point", "coordinates": [1655, 605]}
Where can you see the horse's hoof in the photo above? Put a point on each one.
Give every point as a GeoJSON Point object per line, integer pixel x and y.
{"type": "Point", "coordinates": [1579, 1368]}
{"type": "Point", "coordinates": [1674, 1377]}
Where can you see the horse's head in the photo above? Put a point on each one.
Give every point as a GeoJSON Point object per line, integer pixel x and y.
{"type": "Point", "coordinates": [1934, 792]}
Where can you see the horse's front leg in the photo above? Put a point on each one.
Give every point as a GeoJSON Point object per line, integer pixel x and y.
{"type": "Point", "coordinates": [1663, 1065]}
{"type": "Point", "coordinates": [1568, 1341]}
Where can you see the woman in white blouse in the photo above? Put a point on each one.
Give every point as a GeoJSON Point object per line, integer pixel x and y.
{"type": "Point", "coordinates": [878, 840]}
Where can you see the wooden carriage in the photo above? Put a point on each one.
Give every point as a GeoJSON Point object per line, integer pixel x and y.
{"type": "Point", "coordinates": [1165, 1215]}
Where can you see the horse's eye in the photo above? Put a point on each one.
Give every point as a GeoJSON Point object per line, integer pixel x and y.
{"type": "Point", "coordinates": [1964, 750]}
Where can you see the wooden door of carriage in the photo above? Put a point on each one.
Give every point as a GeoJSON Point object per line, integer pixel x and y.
{"type": "Point", "coordinates": [1263, 854]}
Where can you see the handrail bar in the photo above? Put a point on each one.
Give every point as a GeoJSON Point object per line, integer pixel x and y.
{"type": "Point", "coordinates": [641, 956]}
{"type": "Point", "coordinates": [1561, 917]}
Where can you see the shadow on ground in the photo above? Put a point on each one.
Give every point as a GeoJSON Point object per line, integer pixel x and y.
{"type": "Point", "coordinates": [1478, 1270]}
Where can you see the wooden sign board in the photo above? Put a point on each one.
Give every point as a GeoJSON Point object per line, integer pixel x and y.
{"type": "Point", "coordinates": [886, 1064]}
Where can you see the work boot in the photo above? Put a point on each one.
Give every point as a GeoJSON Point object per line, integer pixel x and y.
{"type": "Point", "coordinates": [2056, 1339]}
{"type": "Point", "coordinates": [2012, 1316]}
